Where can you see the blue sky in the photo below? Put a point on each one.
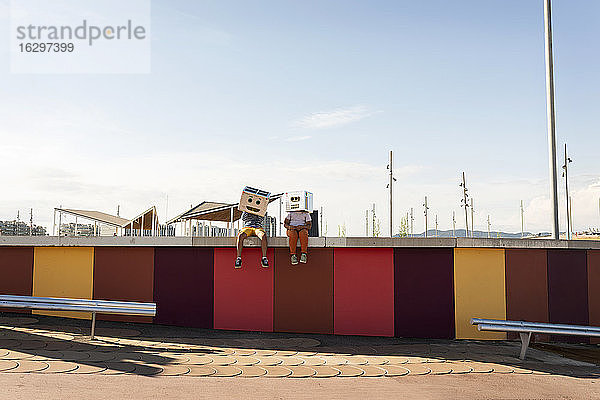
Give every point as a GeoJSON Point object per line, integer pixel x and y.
{"type": "Point", "coordinates": [312, 95]}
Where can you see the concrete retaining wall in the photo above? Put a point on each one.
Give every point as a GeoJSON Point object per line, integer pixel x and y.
{"type": "Point", "coordinates": [425, 288]}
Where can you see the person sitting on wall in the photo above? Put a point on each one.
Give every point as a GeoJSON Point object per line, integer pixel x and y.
{"type": "Point", "coordinates": [253, 226]}
{"type": "Point", "coordinates": [297, 224]}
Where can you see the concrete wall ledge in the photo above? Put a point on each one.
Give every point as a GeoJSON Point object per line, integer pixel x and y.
{"type": "Point", "coordinates": [41, 241]}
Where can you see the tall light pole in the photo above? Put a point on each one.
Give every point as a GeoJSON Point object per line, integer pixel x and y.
{"type": "Point", "coordinates": [426, 208]}
{"type": "Point", "coordinates": [412, 220]}
{"type": "Point", "coordinates": [390, 185]}
{"type": "Point", "coordinates": [465, 202]}
{"type": "Point", "coordinates": [571, 214]}
{"type": "Point", "coordinates": [436, 226]}
{"type": "Point", "coordinates": [472, 219]}
{"type": "Point", "coordinates": [280, 206]}
{"type": "Point", "coordinates": [373, 219]}
{"type": "Point", "coordinates": [566, 176]}
{"type": "Point", "coordinates": [320, 221]}
{"type": "Point", "coordinates": [367, 223]}
{"type": "Point", "coordinates": [551, 116]}
{"type": "Point", "coordinates": [453, 224]}
{"type": "Point", "coordinates": [522, 221]}
{"type": "Point", "coordinates": [488, 226]}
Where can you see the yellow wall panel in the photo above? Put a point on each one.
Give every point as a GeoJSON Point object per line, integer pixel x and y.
{"type": "Point", "coordinates": [63, 272]}
{"type": "Point", "coordinates": [479, 290]}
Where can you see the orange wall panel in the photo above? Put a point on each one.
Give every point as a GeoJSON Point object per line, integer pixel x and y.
{"type": "Point", "coordinates": [63, 272]}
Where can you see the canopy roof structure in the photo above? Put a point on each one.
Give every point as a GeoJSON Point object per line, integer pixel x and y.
{"type": "Point", "coordinates": [96, 216]}
{"type": "Point", "coordinates": [214, 211]}
{"type": "Point", "coordinates": [146, 220]}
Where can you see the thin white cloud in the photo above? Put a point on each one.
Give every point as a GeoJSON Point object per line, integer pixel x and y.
{"type": "Point", "coordinates": [334, 118]}
{"type": "Point", "coordinates": [297, 138]}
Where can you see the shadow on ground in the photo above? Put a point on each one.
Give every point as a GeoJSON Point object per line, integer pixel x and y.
{"type": "Point", "coordinates": [42, 344]}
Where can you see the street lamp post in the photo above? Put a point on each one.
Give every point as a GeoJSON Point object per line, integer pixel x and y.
{"type": "Point", "coordinates": [465, 203]}
{"type": "Point", "coordinates": [412, 220]}
{"type": "Point", "coordinates": [551, 116]}
{"type": "Point", "coordinates": [522, 221]}
{"type": "Point", "coordinates": [426, 208]}
{"type": "Point", "coordinates": [566, 176]}
{"type": "Point", "coordinates": [390, 186]}
{"type": "Point", "coordinates": [472, 219]}
{"type": "Point", "coordinates": [453, 225]}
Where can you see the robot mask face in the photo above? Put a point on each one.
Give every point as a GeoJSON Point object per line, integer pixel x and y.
{"type": "Point", "coordinates": [254, 201]}
{"type": "Point", "coordinates": [299, 201]}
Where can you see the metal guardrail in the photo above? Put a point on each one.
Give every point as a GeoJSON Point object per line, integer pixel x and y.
{"type": "Point", "coordinates": [525, 329]}
{"type": "Point", "coordinates": [81, 305]}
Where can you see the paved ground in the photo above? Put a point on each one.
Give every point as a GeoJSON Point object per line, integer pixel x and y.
{"type": "Point", "coordinates": [47, 357]}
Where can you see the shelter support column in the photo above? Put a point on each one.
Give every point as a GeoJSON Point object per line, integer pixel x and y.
{"type": "Point", "coordinates": [153, 223]}
{"type": "Point", "coordinates": [231, 225]}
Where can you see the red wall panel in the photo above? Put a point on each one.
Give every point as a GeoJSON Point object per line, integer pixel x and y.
{"type": "Point", "coordinates": [593, 265]}
{"type": "Point", "coordinates": [568, 290]}
{"type": "Point", "coordinates": [424, 292]}
{"type": "Point", "coordinates": [363, 291]}
{"type": "Point", "coordinates": [304, 292]}
{"type": "Point", "coordinates": [243, 297]}
{"type": "Point", "coordinates": [124, 273]}
{"type": "Point", "coordinates": [16, 273]}
{"type": "Point", "coordinates": [527, 286]}
{"type": "Point", "coordinates": [183, 286]}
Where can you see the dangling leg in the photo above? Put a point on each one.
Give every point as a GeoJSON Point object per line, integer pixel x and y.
{"type": "Point", "coordinates": [303, 245]}
{"type": "Point", "coordinates": [293, 238]}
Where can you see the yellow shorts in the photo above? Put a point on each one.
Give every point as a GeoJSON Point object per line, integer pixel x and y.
{"type": "Point", "coordinates": [252, 231]}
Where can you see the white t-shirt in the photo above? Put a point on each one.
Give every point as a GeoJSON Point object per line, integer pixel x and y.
{"type": "Point", "coordinates": [298, 218]}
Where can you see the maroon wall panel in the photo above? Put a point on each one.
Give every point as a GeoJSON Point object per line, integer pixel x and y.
{"type": "Point", "coordinates": [183, 286]}
{"type": "Point", "coordinates": [304, 292]}
{"type": "Point", "coordinates": [363, 291]}
{"type": "Point", "coordinates": [593, 265]}
{"type": "Point", "coordinates": [16, 273]}
{"type": "Point", "coordinates": [244, 296]}
{"type": "Point", "coordinates": [424, 292]}
{"type": "Point", "coordinates": [568, 290]}
{"type": "Point", "coordinates": [527, 287]}
{"type": "Point", "coordinates": [124, 273]}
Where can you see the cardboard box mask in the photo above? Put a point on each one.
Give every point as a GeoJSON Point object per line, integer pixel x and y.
{"type": "Point", "coordinates": [254, 201]}
{"type": "Point", "coordinates": [299, 201]}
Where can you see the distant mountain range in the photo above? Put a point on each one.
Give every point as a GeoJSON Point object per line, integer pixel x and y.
{"type": "Point", "coordinates": [477, 234]}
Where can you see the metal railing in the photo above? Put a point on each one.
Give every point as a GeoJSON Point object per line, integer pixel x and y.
{"type": "Point", "coordinates": [81, 305]}
{"type": "Point", "coordinates": [525, 329]}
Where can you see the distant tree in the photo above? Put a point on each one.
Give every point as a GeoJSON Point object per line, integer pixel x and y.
{"type": "Point", "coordinates": [377, 228]}
{"type": "Point", "coordinates": [404, 229]}
{"type": "Point", "coordinates": [342, 230]}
